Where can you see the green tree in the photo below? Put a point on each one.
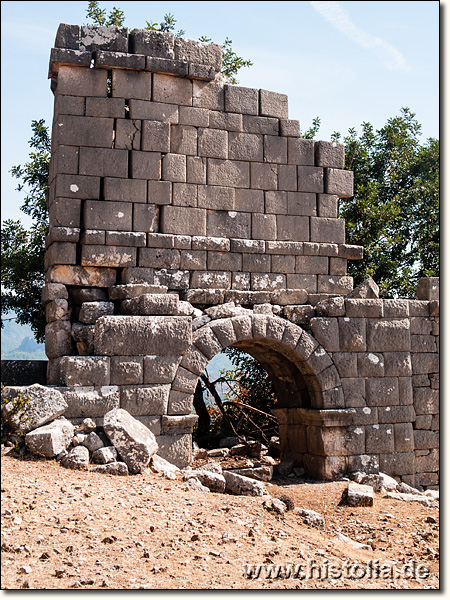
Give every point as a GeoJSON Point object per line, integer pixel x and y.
{"type": "Point", "coordinates": [22, 265]}
{"type": "Point", "coordinates": [394, 212]}
{"type": "Point", "coordinates": [98, 15]}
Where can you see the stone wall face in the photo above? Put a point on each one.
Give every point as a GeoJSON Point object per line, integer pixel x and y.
{"type": "Point", "coordinates": [187, 214]}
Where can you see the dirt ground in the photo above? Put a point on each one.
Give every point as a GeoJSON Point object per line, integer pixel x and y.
{"type": "Point", "coordinates": [79, 530]}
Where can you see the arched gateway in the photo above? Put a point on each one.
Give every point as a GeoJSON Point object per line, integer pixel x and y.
{"type": "Point", "coordinates": [186, 215]}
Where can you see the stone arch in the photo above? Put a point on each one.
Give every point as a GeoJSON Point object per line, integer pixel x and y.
{"type": "Point", "coordinates": [306, 381]}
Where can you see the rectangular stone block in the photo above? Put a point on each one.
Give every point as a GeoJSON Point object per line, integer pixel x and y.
{"type": "Point", "coordinates": [208, 95]}
{"type": "Point", "coordinates": [197, 117]}
{"type": "Point", "coordinates": [313, 265]}
{"type": "Point", "coordinates": [354, 392]}
{"type": "Point", "coordinates": [184, 194]}
{"type": "Point", "coordinates": [70, 105]}
{"type": "Point", "coordinates": [327, 230]}
{"type": "Point", "coordinates": [152, 43]}
{"type": "Point", "coordinates": [216, 197]}
{"type": "Point", "coordinates": [128, 134]}
{"type": "Point", "coordinates": [400, 463]}
{"type": "Point", "coordinates": [380, 439]}
{"type": "Point", "coordinates": [145, 400]}
{"type": "Point", "coordinates": [160, 369]}
{"type": "Point", "coordinates": [125, 190]}
{"type": "Point", "coordinates": [211, 280]}
{"type": "Point", "coordinates": [273, 104]}
{"type": "Point", "coordinates": [425, 440]}
{"type": "Point", "coordinates": [145, 165]}
{"type": "Point", "coordinates": [159, 258]}
{"type": "Point", "coordinates": [352, 334]}
{"type": "Point", "coordinates": [338, 266]}
{"type": "Point", "coordinates": [241, 100]}
{"type": "Point", "coordinates": [294, 228]}
{"type": "Point", "coordinates": [287, 178]}
{"type": "Point", "coordinates": [228, 173]}
{"type": "Point", "coordinates": [154, 111]}
{"type": "Point", "coordinates": [267, 281]}
{"type": "Point", "coordinates": [183, 220]}
{"type": "Point", "coordinates": [327, 206]}
{"type": "Point", "coordinates": [108, 256]}
{"type": "Point", "coordinates": [145, 217]}
{"type": "Point", "coordinates": [256, 263]}
{"type": "Point", "coordinates": [84, 276]}
{"type": "Point", "coordinates": [224, 261]}
{"type": "Point", "coordinates": [85, 371]}
{"type": "Point", "coordinates": [426, 401]}
{"type": "Point", "coordinates": [155, 136]}
{"type": "Point", "coordinates": [310, 179]}
{"type": "Point", "coordinates": [382, 391]}
{"type": "Point", "coordinates": [428, 288]}
{"type": "Point", "coordinates": [249, 200]}
{"type": "Point", "coordinates": [334, 284]}
{"type": "Point", "coordinates": [263, 176]}
{"type": "Point", "coordinates": [172, 90]}
{"type": "Point", "coordinates": [105, 107]}
{"type": "Point", "coordinates": [276, 202]}
{"type": "Point", "coordinates": [64, 160]}
{"type": "Point", "coordinates": [228, 224]}
{"type": "Point", "coordinates": [122, 60]}
{"type": "Point", "coordinates": [174, 167]}
{"type": "Point", "coordinates": [90, 402]}
{"type": "Point", "coordinates": [302, 282]}
{"type": "Point", "coordinates": [124, 335]}
{"type": "Point", "coordinates": [65, 212]}
{"type": "Point", "coordinates": [83, 131]}
{"type": "Point", "coordinates": [60, 253]}
{"type": "Point", "coordinates": [388, 335]}
{"type": "Point", "coordinates": [213, 143]}
{"type": "Point", "coordinates": [397, 414]}
{"type": "Point", "coordinates": [103, 162]}
{"type": "Point", "coordinates": [131, 84]}
{"type": "Point", "coordinates": [77, 186]}
{"type": "Point", "coordinates": [290, 128]}
{"type": "Point", "coordinates": [218, 244]}
{"type": "Point", "coordinates": [193, 260]}
{"type": "Point", "coordinates": [275, 149]}
{"type": "Point", "coordinates": [126, 238]}
{"type": "Point", "coordinates": [339, 182]}
{"type": "Point", "coordinates": [264, 227]}
{"type": "Point", "coordinates": [301, 152]}
{"type": "Point", "coordinates": [113, 216]}
{"type": "Point", "coordinates": [81, 81]}
{"type": "Point", "coordinates": [58, 337]}
{"type": "Point", "coordinates": [245, 146]}
{"type": "Point", "coordinates": [183, 140]}
{"type": "Point", "coordinates": [196, 169]}
{"type": "Point", "coordinates": [261, 125]}
{"type": "Point", "coordinates": [330, 154]}
{"type": "Point", "coordinates": [112, 38]}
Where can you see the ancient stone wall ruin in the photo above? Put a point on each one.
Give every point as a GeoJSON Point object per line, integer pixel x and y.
{"type": "Point", "coordinates": [187, 215]}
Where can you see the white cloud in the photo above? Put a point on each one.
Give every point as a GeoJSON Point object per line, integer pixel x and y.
{"type": "Point", "coordinates": [335, 14]}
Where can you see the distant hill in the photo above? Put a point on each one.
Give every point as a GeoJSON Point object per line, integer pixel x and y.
{"type": "Point", "coordinates": [18, 342]}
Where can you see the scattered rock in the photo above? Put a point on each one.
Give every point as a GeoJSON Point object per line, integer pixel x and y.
{"type": "Point", "coordinates": [213, 481]}
{"type": "Point", "coordinates": [51, 439]}
{"type": "Point", "coordinates": [44, 404]}
{"type": "Point", "coordinates": [164, 467]}
{"type": "Point", "coordinates": [311, 517]}
{"type": "Point", "coordinates": [78, 439]}
{"type": "Point", "coordinates": [404, 488]}
{"type": "Point", "coordinates": [194, 484]}
{"type": "Point", "coordinates": [356, 545]}
{"type": "Point", "coordinates": [93, 442]}
{"type": "Point", "coordinates": [290, 505]}
{"type": "Point", "coordinates": [105, 455]}
{"type": "Point", "coordinates": [77, 458]}
{"type": "Point", "coordinates": [358, 495]}
{"type": "Point", "coordinates": [87, 426]}
{"type": "Point", "coordinates": [212, 467]}
{"type": "Point", "coordinates": [243, 486]}
{"type": "Point", "coordinates": [200, 453]}
{"type": "Point", "coordinates": [422, 499]}
{"type": "Point", "coordinates": [275, 505]}
{"type": "Point", "coordinates": [433, 494]}
{"type": "Point", "coordinates": [261, 473]}
{"type": "Point", "coordinates": [379, 481]}
{"type": "Point", "coordinates": [134, 442]}
{"type": "Point", "coordinates": [216, 452]}
{"type": "Point", "coordinates": [284, 468]}
{"type": "Point", "coordinates": [112, 468]}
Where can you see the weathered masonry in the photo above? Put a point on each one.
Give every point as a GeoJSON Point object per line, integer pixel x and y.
{"type": "Point", "coordinates": [188, 215]}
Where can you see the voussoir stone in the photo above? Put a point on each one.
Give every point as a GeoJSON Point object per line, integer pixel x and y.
{"type": "Point", "coordinates": [134, 442]}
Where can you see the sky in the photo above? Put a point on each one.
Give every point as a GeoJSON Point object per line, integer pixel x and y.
{"type": "Point", "coordinates": [345, 62]}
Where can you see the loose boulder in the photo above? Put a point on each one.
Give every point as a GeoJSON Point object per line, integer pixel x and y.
{"type": "Point", "coordinates": [358, 495]}
{"type": "Point", "coordinates": [311, 517]}
{"type": "Point", "coordinates": [43, 404]}
{"type": "Point", "coordinates": [77, 458]}
{"type": "Point", "coordinates": [112, 468]}
{"type": "Point", "coordinates": [51, 439]}
{"type": "Point", "coordinates": [134, 442]}
{"type": "Point", "coordinates": [213, 481]}
{"type": "Point", "coordinates": [243, 486]}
